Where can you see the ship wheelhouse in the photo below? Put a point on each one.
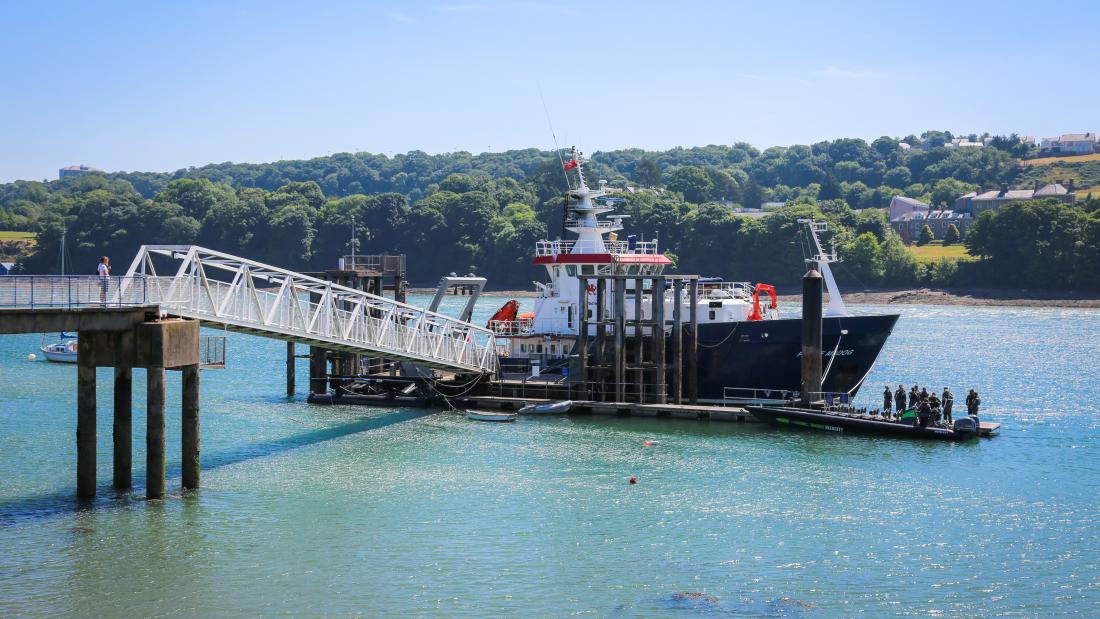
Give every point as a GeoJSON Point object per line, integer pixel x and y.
{"type": "Point", "coordinates": [549, 331]}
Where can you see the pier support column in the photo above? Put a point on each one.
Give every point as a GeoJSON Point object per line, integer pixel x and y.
{"type": "Point", "coordinates": [582, 338]}
{"type": "Point", "coordinates": [318, 371]}
{"type": "Point", "coordinates": [123, 432]}
{"type": "Point", "coordinates": [601, 338]}
{"type": "Point", "coordinates": [190, 429]}
{"type": "Point", "coordinates": [639, 341]}
{"type": "Point", "coordinates": [677, 341]}
{"type": "Point", "coordinates": [85, 431]}
{"type": "Point", "coordinates": [154, 434]}
{"type": "Point", "coordinates": [620, 339]}
{"type": "Point", "coordinates": [690, 360]}
{"type": "Point", "coordinates": [399, 291]}
{"type": "Point", "coordinates": [290, 367]}
{"type": "Point", "coordinates": [811, 337]}
{"type": "Point", "coordinates": [658, 292]}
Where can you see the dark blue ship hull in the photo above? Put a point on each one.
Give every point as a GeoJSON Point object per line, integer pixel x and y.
{"type": "Point", "coordinates": [765, 354]}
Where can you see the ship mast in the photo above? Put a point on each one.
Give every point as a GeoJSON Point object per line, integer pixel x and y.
{"type": "Point", "coordinates": [823, 259]}
{"type": "Point", "coordinates": [582, 214]}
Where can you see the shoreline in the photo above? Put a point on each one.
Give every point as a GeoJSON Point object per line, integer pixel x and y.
{"type": "Point", "coordinates": [913, 296]}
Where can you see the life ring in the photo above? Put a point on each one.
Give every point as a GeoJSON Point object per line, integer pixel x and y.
{"type": "Point", "coordinates": [591, 289]}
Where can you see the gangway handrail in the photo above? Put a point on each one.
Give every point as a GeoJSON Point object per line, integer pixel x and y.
{"type": "Point", "coordinates": [331, 315]}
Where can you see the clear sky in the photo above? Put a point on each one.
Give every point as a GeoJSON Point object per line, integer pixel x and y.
{"type": "Point", "coordinates": [162, 85]}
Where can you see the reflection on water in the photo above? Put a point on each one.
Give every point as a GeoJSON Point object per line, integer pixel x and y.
{"type": "Point", "coordinates": [356, 511]}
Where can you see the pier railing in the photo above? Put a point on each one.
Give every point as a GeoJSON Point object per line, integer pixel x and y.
{"type": "Point", "coordinates": [269, 301]}
{"type": "Point", "coordinates": [72, 291]}
{"type": "Point", "coordinates": [554, 248]}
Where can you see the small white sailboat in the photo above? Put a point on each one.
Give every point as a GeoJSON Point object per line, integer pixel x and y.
{"type": "Point", "coordinates": [61, 351]}
{"type": "Point", "coordinates": [490, 416]}
{"type": "Point", "coordinates": [64, 349]}
{"type": "Point", "coordinates": [547, 408]}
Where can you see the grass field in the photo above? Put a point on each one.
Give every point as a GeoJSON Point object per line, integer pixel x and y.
{"type": "Point", "coordinates": [1084, 193]}
{"type": "Point", "coordinates": [935, 250]}
{"type": "Point", "coordinates": [1073, 159]}
{"type": "Point", "coordinates": [11, 235]}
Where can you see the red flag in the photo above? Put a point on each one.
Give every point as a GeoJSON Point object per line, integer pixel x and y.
{"type": "Point", "coordinates": [572, 163]}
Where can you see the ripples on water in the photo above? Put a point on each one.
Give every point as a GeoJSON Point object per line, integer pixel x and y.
{"type": "Point", "coordinates": [355, 511]}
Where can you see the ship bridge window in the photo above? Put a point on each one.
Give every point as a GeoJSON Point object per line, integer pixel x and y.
{"type": "Point", "coordinates": [571, 270]}
{"type": "Point", "coordinates": [587, 270]}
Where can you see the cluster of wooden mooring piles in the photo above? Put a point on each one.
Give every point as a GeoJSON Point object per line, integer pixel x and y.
{"type": "Point", "coordinates": [611, 368]}
{"type": "Point", "coordinates": [373, 274]}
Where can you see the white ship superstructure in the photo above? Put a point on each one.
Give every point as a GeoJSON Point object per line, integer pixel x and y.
{"type": "Point", "coordinates": [550, 330]}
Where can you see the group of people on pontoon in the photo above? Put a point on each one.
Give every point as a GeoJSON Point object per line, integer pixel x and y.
{"type": "Point", "coordinates": [922, 408]}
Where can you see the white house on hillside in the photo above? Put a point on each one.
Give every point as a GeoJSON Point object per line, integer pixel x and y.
{"type": "Point", "coordinates": [1070, 144]}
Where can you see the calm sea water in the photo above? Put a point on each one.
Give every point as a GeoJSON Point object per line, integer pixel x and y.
{"type": "Point", "coordinates": [311, 510]}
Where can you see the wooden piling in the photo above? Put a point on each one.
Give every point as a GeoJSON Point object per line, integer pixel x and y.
{"type": "Point", "coordinates": [318, 370]}
{"type": "Point", "coordinates": [582, 339]}
{"type": "Point", "coordinates": [691, 363]}
{"type": "Point", "coordinates": [639, 339]}
{"type": "Point", "coordinates": [658, 292]}
{"type": "Point", "coordinates": [399, 290]}
{"type": "Point", "coordinates": [123, 436]}
{"type": "Point", "coordinates": [85, 431]}
{"type": "Point", "coordinates": [290, 369]}
{"type": "Point", "coordinates": [190, 429]}
{"type": "Point", "coordinates": [619, 289]}
{"type": "Point", "coordinates": [154, 434]}
{"type": "Point", "coordinates": [601, 327]}
{"type": "Point", "coordinates": [677, 341]}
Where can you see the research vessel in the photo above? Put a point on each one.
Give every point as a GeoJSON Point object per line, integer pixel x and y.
{"type": "Point", "coordinates": [746, 350]}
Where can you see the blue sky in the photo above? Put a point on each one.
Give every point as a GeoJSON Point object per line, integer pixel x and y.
{"type": "Point", "coordinates": [159, 86]}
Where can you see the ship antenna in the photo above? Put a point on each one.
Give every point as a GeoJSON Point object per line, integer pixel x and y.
{"type": "Point", "coordinates": [557, 149]}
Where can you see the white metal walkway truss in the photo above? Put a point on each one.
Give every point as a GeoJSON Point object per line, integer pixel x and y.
{"type": "Point", "coordinates": [257, 298]}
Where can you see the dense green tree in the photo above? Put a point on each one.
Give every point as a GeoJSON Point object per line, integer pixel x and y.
{"type": "Point", "coordinates": [952, 235]}
{"type": "Point", "coordinates": [691, 181]}
{"type": "Point", "coordinates": [925, 236]}
{"type": "Point", "coordinates": [863, 257]}
{"type": "Point", "coordinates": [830, 189]}
{"type": "Point", "coordinates": [648, 173]}
{"type": "Point", "coordinates": [898, 177]}
{"type": "Point", "coordinates": [753, 195]}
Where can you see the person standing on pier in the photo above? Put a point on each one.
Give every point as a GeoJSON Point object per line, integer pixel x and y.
{"type": "Point", "coordinates": [887, 400]}
{"type": "Point", "coordinates": [104, 270]}
{"type": "Point", "coordinates": [948, 401]}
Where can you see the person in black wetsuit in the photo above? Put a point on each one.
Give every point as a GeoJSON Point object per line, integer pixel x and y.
{"type": "Point", "coordinates": [924, 413]}
{"type": "Point", "coordinates": [924, 393]}
{"type": "Point", "coordinates": [899, 400]}
{"type": "Point", "coordinates": [948, 402]}
{"type": "Point", "coordinates": [887, 400]}
{"type": "Point", "coordinates": [914, 396]}
{"type": "Point", "coordinates": [934, 403]}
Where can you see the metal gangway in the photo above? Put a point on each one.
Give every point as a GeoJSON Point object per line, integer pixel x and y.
{"type": "Point", "coordinates": [243, 295]}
